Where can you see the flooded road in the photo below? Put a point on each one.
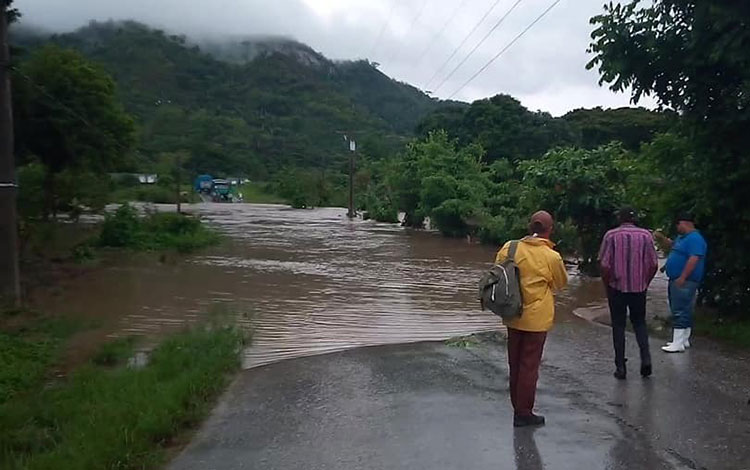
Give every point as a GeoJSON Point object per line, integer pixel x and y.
{"type": "Point", "coordinates": [310, 282]}
{"type": "Point", "coordinates": [304, 281]}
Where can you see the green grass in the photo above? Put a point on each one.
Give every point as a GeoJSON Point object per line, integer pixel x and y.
{"type": "Point", "coordinates": [256, 192]}
{"type": "Point", "coordinates": [105, 417]}
{"type": "Point", "coordinates": [154, 194]}
{"type": "Point", "coordinates": [28, 348]}
{"type": "Point", "coordinates": [115, 352]}
{"type": "Point", "coordinates": [159, 231]}
{"type": "Point", "coordinates": [730, 330]}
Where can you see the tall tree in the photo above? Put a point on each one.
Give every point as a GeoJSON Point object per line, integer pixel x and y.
{"type": "Point", "coordinates": [68, 116]}
{"type": "Point", "coordinates": [502, 126]}
{"type": "Point", "coordinates": [585, 186]}
{"type": "Point", "coordinates": [631, 126]}
{"type": "Point", "coordinates": [692, 56]}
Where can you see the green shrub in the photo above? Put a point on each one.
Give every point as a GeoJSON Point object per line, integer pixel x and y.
{"type": "Point", "coordinates": [451, 217]}
{"type": "Point", "coordinates": [125, 228]}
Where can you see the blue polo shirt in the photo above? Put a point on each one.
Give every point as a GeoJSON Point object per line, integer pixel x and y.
{"type": "Point", "coordinates": [685, 246]}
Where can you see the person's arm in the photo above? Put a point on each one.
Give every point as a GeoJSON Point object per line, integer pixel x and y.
{"type": "Point", "coordinates": [692, 262]}
{"type": "Point", "coordinates": [605, 254]}
{"type": "Point", "coordinates": [651, 261]}
{"type": "Point", "coordinates": [664, 242]}
{"type": "Point", "coordinates": [559, 274]}
{"type": "Point", "coordinates": [696, 250]}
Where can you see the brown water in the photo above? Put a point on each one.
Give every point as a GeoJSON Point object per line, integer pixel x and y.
{"type": "Point", "coordinates": [305, 281]}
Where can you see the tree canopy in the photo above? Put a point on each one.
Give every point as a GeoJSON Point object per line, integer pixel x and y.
{"type": "Point", "coordinates": [283, 105]}
{"type": "Point", "coordinates": [692, 56]}
{"type": "Point", "coordinates": [67, 115]}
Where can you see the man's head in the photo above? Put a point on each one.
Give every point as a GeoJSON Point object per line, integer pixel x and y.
{"type": "Point", "coordinates": [542, 224]}
{"type": "Point", "coordinates": [685, 223]}
{"type": "Point", "coordinates": [627, 215]}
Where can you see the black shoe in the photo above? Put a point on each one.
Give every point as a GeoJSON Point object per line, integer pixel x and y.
{"type": "Point", "coordinates": [531, 420]}
{"type": "Point", "coordinates": [621, 373]}
{"type": "Point", "coordinates": [646, 370]}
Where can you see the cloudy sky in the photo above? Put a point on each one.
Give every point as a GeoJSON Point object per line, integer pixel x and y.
{"type": "Point", "coordinates": [411, 39]}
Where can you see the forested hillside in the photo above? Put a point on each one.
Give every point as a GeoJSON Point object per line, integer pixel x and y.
{"type": "Point", "coordinates": [248, 106]}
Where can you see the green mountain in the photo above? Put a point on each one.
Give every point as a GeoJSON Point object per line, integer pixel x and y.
{"type": "Point", "coordinates": [246, 105]}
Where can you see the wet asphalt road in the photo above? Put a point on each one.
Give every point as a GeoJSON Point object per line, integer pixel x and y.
{"type": "Point", "coordinates": [434, 406]}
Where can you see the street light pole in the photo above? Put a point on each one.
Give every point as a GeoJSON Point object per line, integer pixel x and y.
{"type": "Point", "coordinates": [10, 287]}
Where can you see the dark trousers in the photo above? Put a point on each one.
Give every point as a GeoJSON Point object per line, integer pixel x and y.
{"type": "Point", "coordinates": [524, 356]}
{"type": "Point", "coordinates": [619, 305]}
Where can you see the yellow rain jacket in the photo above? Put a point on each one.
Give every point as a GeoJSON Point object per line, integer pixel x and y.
{"type": "Point", "coordinates": [542, 272]}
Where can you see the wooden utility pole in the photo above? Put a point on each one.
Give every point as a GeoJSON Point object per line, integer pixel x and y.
{"type": "Point", "coordinates": [177, 182]}
{"type": "Point", "coordinates": [352, 151]}
{"type": "Point", "coordinates": [10, 287]}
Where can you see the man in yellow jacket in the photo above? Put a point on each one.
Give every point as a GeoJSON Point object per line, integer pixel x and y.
{"type": "Point", "coordinates": [542, 272]}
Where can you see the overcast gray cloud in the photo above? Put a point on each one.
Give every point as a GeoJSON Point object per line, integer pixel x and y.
{"type": "Point", "coordinates": [545, 69]}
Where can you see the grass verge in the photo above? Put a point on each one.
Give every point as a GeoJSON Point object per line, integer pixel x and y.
{"type": "Point", "coordinates": [109, 415]}
{"type": "Point", "coordinates": [730, 330]}
{"type": "Point", "coordinates": [154, 194]}
{"type": "Point", "coordinates": [258, 193]}
{"type": "Point", "coordinates": [28, 348]}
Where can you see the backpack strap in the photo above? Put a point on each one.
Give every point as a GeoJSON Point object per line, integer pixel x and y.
{"type": "Point", "coordinates": [512, 250]}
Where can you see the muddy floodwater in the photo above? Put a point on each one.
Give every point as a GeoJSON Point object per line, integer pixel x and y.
{"type": "Point", "coordinates": [304, 281]}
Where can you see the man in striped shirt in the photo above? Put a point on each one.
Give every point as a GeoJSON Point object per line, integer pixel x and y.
{"type": "Point", "coordinates": [628, 263]}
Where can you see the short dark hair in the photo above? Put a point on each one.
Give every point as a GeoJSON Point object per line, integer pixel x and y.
{"type": "Point", "coordinates": [627, 214]}
{"type": "Point", "coordinates": [686, 216]}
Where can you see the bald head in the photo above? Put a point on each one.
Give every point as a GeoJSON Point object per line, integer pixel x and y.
{"type": "Point", "coordinates": [541, 223]}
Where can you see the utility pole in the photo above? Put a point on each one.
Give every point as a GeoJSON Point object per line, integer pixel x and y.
{"type": "Point", "coordinates": [352, 152]}
{"type": "Point", "coordinates": [177, 182]}
{"type": "Point", "coordinates": [10, 287]}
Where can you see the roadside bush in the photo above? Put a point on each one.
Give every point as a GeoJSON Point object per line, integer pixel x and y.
{"type": "Point", "coordinates": [451, 217]}
{"type": "Point", "coordinates": [154, 194]}
{"type": "Point", "coordinates": [125, 228]}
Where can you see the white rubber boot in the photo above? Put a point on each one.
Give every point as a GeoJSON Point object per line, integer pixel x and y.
{"type": "Point", "coordinates": [678, 341]}
{"type": "Point", "coordinates": [687, 338]}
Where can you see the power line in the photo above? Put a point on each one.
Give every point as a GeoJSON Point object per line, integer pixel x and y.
{"type": "Point", "coordinates": [383, 29]}
{"type": "Point", "coordinates": [455, 51]}
{"type": "Point", "coordinates": [411, 27]}
{"type": "Point", "coordinates": [486, 36]}
{"type": "Point", "coordinates": [539, 18]}
{"type": "Point", "coordinates": [440, 32]}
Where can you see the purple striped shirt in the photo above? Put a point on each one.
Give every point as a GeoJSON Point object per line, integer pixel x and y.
{"type": "Point", "coordinates": [628, 254]}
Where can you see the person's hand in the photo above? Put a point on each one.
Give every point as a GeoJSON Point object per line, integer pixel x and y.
{"type": "Point", "coordinates": [680, 282]}
{"type": "Point", "coordinates": [659, 235]}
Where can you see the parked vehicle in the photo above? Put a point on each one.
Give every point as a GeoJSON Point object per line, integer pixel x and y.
{"type": "Point", "coordinates": [204, 184]}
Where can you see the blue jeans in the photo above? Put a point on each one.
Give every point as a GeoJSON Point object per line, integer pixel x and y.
{"type": "Point", "coordinates": [681, 303]}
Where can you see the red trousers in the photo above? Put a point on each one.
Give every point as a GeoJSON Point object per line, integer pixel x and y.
{"type": "Point", "coordinates": [524, 356]}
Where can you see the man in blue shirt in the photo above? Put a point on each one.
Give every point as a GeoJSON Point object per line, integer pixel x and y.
{"type": "Point", "coordinates": [685, 268]}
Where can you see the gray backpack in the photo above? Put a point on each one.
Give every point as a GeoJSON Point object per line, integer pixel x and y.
{"type": "Point", "coordinates": [499, 288]}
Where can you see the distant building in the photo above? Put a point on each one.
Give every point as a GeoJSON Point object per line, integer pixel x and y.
{"type": "Point", "coordinates": [143, 178]}
{"type": "Point", "coordinates": [148, 178]}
